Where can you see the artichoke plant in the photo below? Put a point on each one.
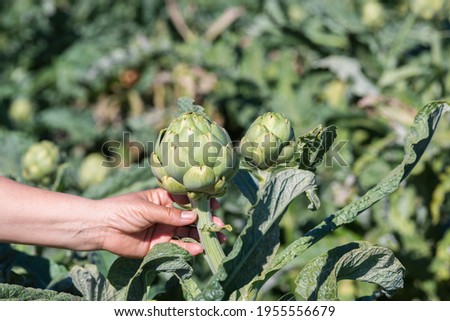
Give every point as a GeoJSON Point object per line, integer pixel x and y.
{"type": "Point", "coordinates": [195, 157]}
{"type": "Point", "coordinates": [40, 161]}
{"type": "Point", "coordinates": [270, 140]}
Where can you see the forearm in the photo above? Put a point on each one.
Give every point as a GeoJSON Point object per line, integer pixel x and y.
{"type": "Point", "coordinates": [34, 216]}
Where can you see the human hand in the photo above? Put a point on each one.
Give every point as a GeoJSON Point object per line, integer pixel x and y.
{"type": "Point", "coordinates": [133, 223]}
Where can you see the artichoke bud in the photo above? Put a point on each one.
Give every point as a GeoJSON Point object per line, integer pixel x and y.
{"type": "Point", "coordinates": [92, 171]}
{"type": "Point", "coordinates": [21, 111]}
{"type": "Point", "coordinates": [373, 14]}
{"type": "Point", "coordinates": [270, 140]}
{"type": "Point", "coordinates": [196, 155]}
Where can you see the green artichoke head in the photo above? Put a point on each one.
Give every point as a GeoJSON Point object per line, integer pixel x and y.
{"type": "Point", "coordinates": [270, 140]}
{"type": "Point", "coordinates": [194, 156]}
{"type": "Point", "coordinates": [21, 111]}
{"type": "Point", "coordinates": [40, 161]}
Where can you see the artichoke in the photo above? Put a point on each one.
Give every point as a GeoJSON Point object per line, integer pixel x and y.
{"type": "Point", "coordinates": [270, 140]}
{"type": "Point", "coordinates": [21, 111]}
{"type": "Point", "coordinates": [194, 156]}
{"type": "Point", "coordinates": [40, 161]}
{"type": "Point", "coordinates": [92, 171]}
{"type": "Point", "coordinates": [373, 14]}
{"type": "Point", "coordinates": [427, 9]}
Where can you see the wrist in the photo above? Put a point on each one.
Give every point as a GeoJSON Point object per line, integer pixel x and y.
{"type": "Point", "coordinates": [91, 230]}
{"type": "Point", "coordinates": [101, 224]}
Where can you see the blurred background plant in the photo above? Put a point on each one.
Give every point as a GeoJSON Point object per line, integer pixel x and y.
{"type": "Point", "coordinates": [85, 75]}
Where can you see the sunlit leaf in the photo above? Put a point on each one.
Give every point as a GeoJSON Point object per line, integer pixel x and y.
{"type": "Point", "coordinates": [359, 261]}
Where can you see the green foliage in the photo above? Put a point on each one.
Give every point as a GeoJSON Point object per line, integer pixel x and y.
{"type": "Point", "coordinates": [13, 145]}
{"type": "Point", "coordinates": [416, 142]}
{"type": "Point", "coordinates": [255, 256]}
{"type": "Point", "coordinates": [132, 278]}
{"type": "Point", "coordinates": [354, 261]}
{"type": "Point", "coordinates": [259, 240]}
{"type": "Point", "coordinates": [92, 285]}
{"type": "Point", "coordinates": [10, 292]}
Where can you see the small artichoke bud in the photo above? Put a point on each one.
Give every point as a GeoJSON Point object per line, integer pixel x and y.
{"type": "Point", "coordinates": [373, 14]}
{"type": "Point", "coordinates": [194, 156]}
{"type": "Point", "coordinates": [40, 161]}
{"type": "Point", "coordinates": [270, 140]}
{"type": "Point", "coordinates": [21, 112]}
{"type": "Point", "coordinates": [427, 9]}
{"type": "Point", "coordinates": [92, 171]}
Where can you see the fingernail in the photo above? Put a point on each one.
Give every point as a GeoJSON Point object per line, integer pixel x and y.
{"type": "Point", "coordinates": [188, 215]}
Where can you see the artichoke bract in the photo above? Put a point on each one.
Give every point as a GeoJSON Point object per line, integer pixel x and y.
{"type": "Point", "coordinates": [194, 156]}
{"type": "Point", "coordinates": [270, 140]}
{"type": "Point", "coordinates": [40, 161]}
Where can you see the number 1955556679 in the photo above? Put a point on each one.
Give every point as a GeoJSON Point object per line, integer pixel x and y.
{"type": "Point", "coordinates": [295, 310]}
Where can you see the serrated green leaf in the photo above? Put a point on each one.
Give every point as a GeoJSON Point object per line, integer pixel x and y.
{"type": "Point", "coordinates": [190, 289]}
{"type": "Point", "coordinates": [417, 139]}
{"type": "Point", "coordinates": [163, 257]}
{"type": "Point", "coordinates": [314, 145]}
{"type": "Point", "coordinates": [91, 283]}
{"type": "Point", "coordinates": [259, 240]}
{"type": "Point", "coordinates": [9, 292]}
{"type": "Point", "coordinates": [354, 261]}
{"type": "Point", "coordinates": [37, 268]}
{"type": "Point", "coordinates": [103, 260]}
{"type": "Point", "coordinates": [246, 185]}
{"type": "Point", "coordinates": [122, 271]}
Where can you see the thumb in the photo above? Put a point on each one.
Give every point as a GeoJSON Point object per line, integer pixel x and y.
{"type": "Point", "coordinates": [169, 215]}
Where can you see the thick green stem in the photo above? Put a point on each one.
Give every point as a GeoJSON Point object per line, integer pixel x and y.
{"type": "Point", "coordinates": [213, 251]}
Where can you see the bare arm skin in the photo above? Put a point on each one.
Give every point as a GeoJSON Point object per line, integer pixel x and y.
{"type": "Point", "coordinates": [128, 225]}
